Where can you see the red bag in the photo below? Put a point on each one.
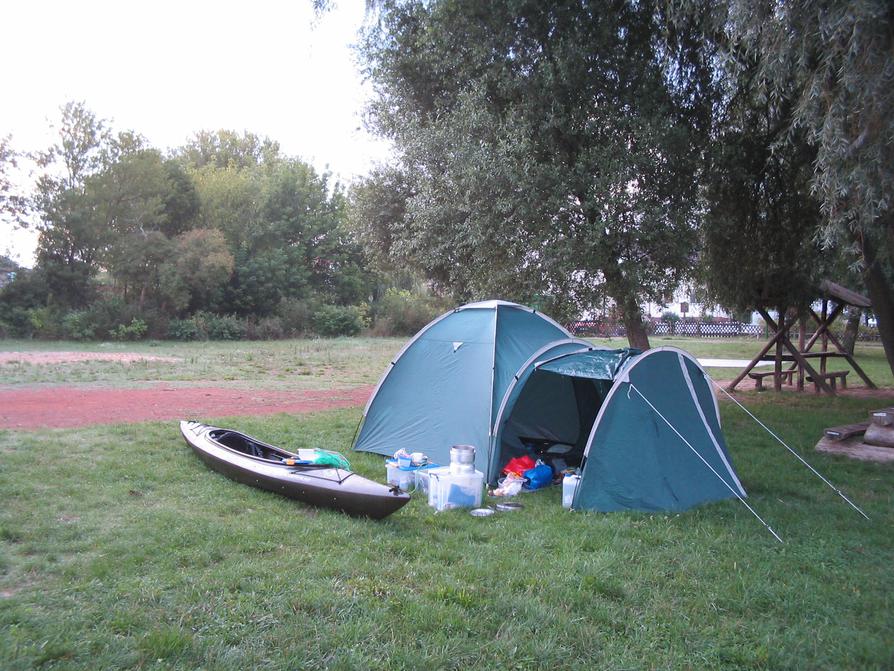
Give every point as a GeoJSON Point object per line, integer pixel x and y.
{"type": "Point", "coordinates": [519, 465]}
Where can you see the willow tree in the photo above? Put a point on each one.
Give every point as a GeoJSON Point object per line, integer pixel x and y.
{"type": "Point", "coordinates": [549, 148]}
{"type": "Point", "coordinates": [833, 62]}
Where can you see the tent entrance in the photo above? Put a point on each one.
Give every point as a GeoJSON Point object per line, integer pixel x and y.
{"type": "Point", "coordinates": [552, 419]}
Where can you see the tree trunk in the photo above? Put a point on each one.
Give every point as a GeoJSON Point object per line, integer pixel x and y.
{"type": "Point", "coordinates": [627, 303]}
{"type": "Point", "coordinates": [632, 318]}
{"type": "Point", "coordinates": [637, 336]}
{"type": "Point", "coordinates": [881, 293]}
{"type": "Point", "coordinates": [851, 329]}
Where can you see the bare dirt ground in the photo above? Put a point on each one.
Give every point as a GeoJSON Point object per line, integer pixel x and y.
{"type": "Point", "coordinates": [74, 406]}
{"type": "Point", "coordinates": [47, 358]}
{"type": "Point", "coordinates": [69, 407]}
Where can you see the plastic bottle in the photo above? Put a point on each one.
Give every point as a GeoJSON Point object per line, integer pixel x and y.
{"type": "Point", "coordinates": [569, 487]}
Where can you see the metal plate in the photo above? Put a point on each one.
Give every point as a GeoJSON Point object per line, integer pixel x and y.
{"type": "Point", "coordinates": [509, 506]}
{"type": "Point", "coordinates": [481, 512]}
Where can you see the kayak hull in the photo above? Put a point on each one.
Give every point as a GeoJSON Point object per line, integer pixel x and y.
{"type": "Point", "coordinates": [325, 487]}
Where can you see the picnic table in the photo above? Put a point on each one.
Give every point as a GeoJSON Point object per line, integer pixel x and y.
{"type": "Point", "coordinates": [798, 358]}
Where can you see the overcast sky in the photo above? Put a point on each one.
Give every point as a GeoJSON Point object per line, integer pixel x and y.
{"type": "Point", "coordinates": [167, 69]}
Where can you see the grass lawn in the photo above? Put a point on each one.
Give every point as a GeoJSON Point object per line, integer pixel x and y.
{"type": "Point", "coordinates": [277, 364]}
{"type": "Point", "coordinates": [119, 549]}
{"type": "Point", "coordinates": [316, 363]}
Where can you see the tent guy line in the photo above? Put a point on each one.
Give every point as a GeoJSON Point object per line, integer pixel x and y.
{"type": "Point", "coordinates": [704, 461]}
{"type": "Point", "coordinates": [798, 456]}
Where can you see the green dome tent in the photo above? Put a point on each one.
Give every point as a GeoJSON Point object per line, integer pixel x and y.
{"type": "Point", "coordinates": [643, 427]}
{"type": "Point", "coordinates": [445, 386]}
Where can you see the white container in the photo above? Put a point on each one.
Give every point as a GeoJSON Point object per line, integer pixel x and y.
{"type": "Point", "coordinates": [405, 479]}
{"type": "Point", "coordinates": [569, 487]}
{"type": "Point", "coordinates": [462, 459]}
{"type": "Point", "coordinates": [447, 489]}
{"type": "Point", "coordinates": [422, 478]}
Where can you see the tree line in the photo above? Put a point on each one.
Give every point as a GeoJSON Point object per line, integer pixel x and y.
{"type": "Point", "coordinates": [575, 156]}
{"type": "Point", "coordinates": [224, 237]}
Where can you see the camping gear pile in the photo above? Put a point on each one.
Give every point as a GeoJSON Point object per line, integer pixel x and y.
{"type": "Point", "coordinates": [642, 428]}
{"type": "Point", "coordinates": [409, 471]}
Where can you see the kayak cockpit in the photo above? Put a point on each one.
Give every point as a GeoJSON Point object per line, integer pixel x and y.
{"type": "Point", "coordinates": [245, 445]}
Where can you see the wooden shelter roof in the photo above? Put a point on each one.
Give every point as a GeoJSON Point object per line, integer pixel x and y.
{"type": "Point", "coordinates": [844, 295]}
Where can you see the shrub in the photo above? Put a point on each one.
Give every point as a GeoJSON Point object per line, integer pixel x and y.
{"type": "Point", "coordinates": [18, 322]}
{"type": "Point", "coordinates": [45, 323]}
{"type": "Point", "coordinates": [336, 320]}
{"type": "Point", "coordinates": [296, 315]}
{"type": "Point", "coordinates": [133, 331]}
{"type": "Point", "coordinates": [268, 328]}
{"type": "Point", "coordinates": [78, 325]}
{"type": "Point", "coordinates": [225, 327]}
{"type": "Point", "coordinates": [208, 326]}
{"type": "Point", "coordinates": [401, 312]}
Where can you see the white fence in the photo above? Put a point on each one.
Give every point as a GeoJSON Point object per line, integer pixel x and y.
{"type": "Point", "coordinates": [688, 329]}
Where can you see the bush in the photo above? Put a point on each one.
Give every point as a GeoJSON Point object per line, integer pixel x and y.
{"type": "Point", "coordinates": [78, 325]}
{"type": "Point", "coordinates": [296, 316]}
{"type": "Point", "coordinates": [225, 327]}
{"type": "Point", "coordinates": [133, 331]}
{"type": "Point", "coordinates": [268, 328]}
{"type": "Point", "coordinates": [208, 326]}
{"type": "Point", "coordinates": [45, 323]}
{"type": "Point", "coordinates": [19, 322]}
{"type": "Point", "coordinates": [184, 329]}
{"type": "Point", "coordinates": [337, 320]}
{"type": "Point", "coordinates": [401, 312]}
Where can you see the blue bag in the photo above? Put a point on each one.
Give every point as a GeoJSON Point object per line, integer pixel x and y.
{"type": "Point", "coordinates": [539, 476]}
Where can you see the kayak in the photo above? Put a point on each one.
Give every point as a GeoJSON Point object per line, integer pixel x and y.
{"type": "Point", "coordinates": [252, 462]}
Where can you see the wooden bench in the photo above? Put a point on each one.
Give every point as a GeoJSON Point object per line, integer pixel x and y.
{"type": "Point", "coordinates": [845, 431]}
{"type": "Point", "coordinates": [831, 379]}
{"type": "Point", "coordinates": [758, 378]}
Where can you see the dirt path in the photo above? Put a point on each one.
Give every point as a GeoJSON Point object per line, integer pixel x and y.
{"type": "Point", "coordinates": [69, 407]}
{"type": "Point", "coordinates": [45, 358]}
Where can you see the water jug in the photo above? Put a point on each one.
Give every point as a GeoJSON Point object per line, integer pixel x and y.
{"type": "Point", "coordinates": [569, 487]}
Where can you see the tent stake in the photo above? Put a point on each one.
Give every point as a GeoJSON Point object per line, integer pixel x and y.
{"type": "Point", "coordinates": [695, 452]}
{"type": "Point", "coordinates": [798, 456]}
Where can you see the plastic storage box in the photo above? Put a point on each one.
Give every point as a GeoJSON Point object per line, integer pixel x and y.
{"type": "Point", "coordinates": [405, 478]}
{"type": "Point", "coordinates": [448, 489]}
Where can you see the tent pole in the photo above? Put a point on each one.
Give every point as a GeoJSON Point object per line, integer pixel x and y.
{"type": "Point", "coordinates": [704, 461]}
{"type": "Point", "coordinates": [799, 457]}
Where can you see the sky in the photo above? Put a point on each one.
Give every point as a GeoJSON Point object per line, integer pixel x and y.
{"type": "Point", "coordinates": [168, 69]}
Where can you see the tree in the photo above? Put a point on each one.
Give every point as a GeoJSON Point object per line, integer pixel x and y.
{"type": "Point", "coordinates": [549, 148]}
{"type": "Point", "coordinates": [760, 218]}
{"type": "Point", "coordinates": [227, 149]}
{"type": "Point", "coordinates": [194, 276]}
{"type": "Point", "coordinates": [181, 200]}
{"type": "Point", "coordinates": [229, 200]}
{"type": "Point", "coordinates": [71, 240]}
{"type": "Point", "coordinates": [834, 62]}
{"type": "Point", "coordinates": [377, 207]}
{"type": "Point", "coordinates": [13, 206]}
